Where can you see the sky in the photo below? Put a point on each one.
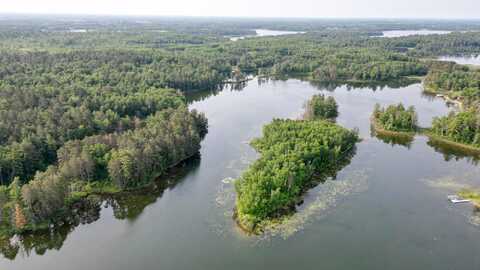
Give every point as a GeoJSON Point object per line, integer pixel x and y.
{"type": "Point", "coordinates": [441, 9]}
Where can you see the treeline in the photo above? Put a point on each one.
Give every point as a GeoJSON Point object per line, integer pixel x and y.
{"type": "Point", "coordinates": [456, 43]}
{"type": "Point", "coordinates": [102, 32]}
{"type": "Point", "coordinates": [322, 62]}
{"type": "Point", "coordinates": [368, 65]}
{"type": "Point", "coordinates": [395, 118]}
{"type": "Point", "coordinates": [421, 46]}
{"type": "Point", "coordinates": [125, 70]}
{"type": "Point", "coordinates": [293, 155]}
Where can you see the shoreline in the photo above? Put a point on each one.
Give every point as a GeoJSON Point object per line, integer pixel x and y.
{"type": "Point", "coordinates": [429, 134]}
{"type": "Point", "coordinates": [315, 179]}
{"type": "Point", "coordinates": [103, 190]}
{"type": "Point", "coordinates": [445, 95]}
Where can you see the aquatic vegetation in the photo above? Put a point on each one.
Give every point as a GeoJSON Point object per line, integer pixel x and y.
{"type": "Point", "coordinates": [475, 218]}
{"type": "Point", "coordinates": [447, 183]}
{"type": "Point", "coordinates": [328, 195]}
{"type": "Point", "coordinates": [471, 194]}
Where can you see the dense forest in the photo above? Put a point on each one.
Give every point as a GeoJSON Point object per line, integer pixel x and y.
{"type": "Point", "coordinates": [395, 118]}
{"type": "Point", "coordinates": [37, 121]}
{"type": "Point", "coordinates": [294, 155]}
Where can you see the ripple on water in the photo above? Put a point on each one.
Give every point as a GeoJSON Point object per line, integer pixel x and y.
{"type": "Point", "coordinates": [326, 197]}
{"type": "Point", "coordinates": [475, 220]}
{"type": "Point", "coordinates": [322, 199]}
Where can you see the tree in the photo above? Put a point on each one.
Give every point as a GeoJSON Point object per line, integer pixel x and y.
{"type": "Point", "coordinates": [321, 107]}
{"type": "Point", "coordinates": [121, 168]}
{"type": "Point", "coordinates": [20, 219]}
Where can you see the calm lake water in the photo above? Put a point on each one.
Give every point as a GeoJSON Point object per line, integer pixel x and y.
{"type": "Point", "coordinates": [404, 33]}
{"type": "Point", "coordinates": [267, 33]}
{"type": "Point", "coordinates": [463, 60]}
{"type": "Point", "coordinates": [386, 210]}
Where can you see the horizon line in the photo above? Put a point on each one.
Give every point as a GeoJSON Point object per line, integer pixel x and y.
{"type": "Point", "coordinates": [235, 17]}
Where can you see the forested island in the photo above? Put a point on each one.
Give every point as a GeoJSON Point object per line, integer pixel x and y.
{"type": "Point", "coordinates": [295, 154]}
{"type": "Point", "coordinates": [395, 119]}
{"type": "Point", "coordinates": [321, 107]}
{"type": "Point", "coordinates": [103, 111]}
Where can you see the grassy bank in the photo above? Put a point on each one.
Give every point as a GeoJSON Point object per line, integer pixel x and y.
{"type": "Point", "coordinates": [80, 198]}
{"type": "Point", "coordinates": [72, 201]}
{"type": "Point", "coordinates": [471, 195]}
{"type": "Point", "coordinates": [467, 147]}
{"type": "Point", "coordinates": [379, 129]}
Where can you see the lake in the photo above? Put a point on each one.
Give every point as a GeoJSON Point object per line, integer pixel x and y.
{"type": "Point", "coordinates": [387, 209]}
{"type": "Point", "coordinates": [267, 33]}
{"type": "Point", "coordinates": [463, 60]}
{"type": "Point", "coordinates": [404, 33]}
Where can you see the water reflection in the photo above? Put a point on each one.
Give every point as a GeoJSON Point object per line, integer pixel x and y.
{"type": "Point", "coordinates": [39, 242]}
{"type": "Point", "coordinates": [393, 139]}
{"type": "Point", "coordinates": [195, 96]}
{"type": "Point", "coordinates": [124, 206]}
{"type": "Point", "coordinates": [454, 152]}
{"type": "Point", "coordinates": [131, 206]}
{"type": "Point", "coordinates": [374, 86]}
